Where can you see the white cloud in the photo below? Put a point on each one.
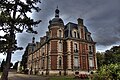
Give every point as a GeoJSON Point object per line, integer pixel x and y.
{"type": "Point", "coordinates": [2, 33]}
{"type": "Point", "coordinates": [2, 57]}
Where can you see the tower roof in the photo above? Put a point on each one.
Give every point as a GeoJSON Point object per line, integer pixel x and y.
{"type": "Point", "coordinates": [57, 12]}
{"type": "Point", "coordinates": [56, 20]}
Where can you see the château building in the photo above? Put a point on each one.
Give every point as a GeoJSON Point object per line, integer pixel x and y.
{"type": "Point", "coordinates": [64, 50]}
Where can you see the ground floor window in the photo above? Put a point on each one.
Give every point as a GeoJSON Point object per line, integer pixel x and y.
{"type": "Point", "coordinates": [76, 63]}
{"type": "Point", "coordinates": [91, 64]}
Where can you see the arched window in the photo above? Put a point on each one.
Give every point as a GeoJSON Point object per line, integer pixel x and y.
{"type": "Point", "coordinates": [75, 34]}
{"type": "Point", "coordinates": [75, 47]}
{"type": "Point", "coordinates": [60, 33]}
{"type": "Point", "coordinates": [60, 62]}
{"type": "Point", "coordinates": [60, 46]}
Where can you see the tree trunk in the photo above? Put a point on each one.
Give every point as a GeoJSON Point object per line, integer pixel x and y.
{"type": "Point", "coordinates": [6, 66]}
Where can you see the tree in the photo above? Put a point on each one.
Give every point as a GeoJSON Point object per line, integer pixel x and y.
{"type": "Point", "coordinates": [100, 59]}
{"type": "Point", "coordinates": [2, 65]}
{"type": "Point", "coordinates": [15, 65]}
{"type": "Point", "coordinates": [24, 59]}
{"type": "Point", "coordinates": [108, 72]}
{"type": "Point", "coordinates": [14, 19]}
{"type": "Point", "coordinates": [112, 55]}
{"type": "Point", "coordinates": [11, 64]}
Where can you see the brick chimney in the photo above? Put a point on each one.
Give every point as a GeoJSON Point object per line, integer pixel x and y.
{"type": "Point", "coordinates": [80, 21]}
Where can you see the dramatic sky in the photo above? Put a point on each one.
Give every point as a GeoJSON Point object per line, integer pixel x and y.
{"type": "Point", "coordinates": [101, 17]}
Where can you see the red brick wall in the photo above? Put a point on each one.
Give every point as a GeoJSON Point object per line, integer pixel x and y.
{"type": "Point", "coordinates": [71, 54]}
{"type": "Point", "coordinates": [83, 56]}
{"type": "Point", "coordinates": [80, 51]}
{"type": "Point", "coordinates": [94, 56]}
{"type": "Point", "coordinates": [82, 33]}
{"type": "Point", "coordinates": [53, 62]}
{"type": "Point", "coordinates": [53, 47]}
{"type": "Point", "coordinates": [86, 53]}
{"type": "Point", "coordinates": [54, 32]}
{"type": "Point", "coordinates": [65, 63]}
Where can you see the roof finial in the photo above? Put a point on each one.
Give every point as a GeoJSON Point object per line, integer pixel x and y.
{"type": "Point", "coordinates": [57, 12]}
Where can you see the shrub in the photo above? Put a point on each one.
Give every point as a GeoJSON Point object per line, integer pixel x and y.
{"type": "Point", "coordinates": [108, 72]}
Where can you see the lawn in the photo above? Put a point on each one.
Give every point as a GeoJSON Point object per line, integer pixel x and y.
{"type": "Point", "coordinates": [62, 78]}
{"type": "Point", "coordinates": [65, 78]}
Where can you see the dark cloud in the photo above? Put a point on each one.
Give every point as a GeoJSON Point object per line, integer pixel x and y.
{"type": "Point", "coordinates": [100, 16]}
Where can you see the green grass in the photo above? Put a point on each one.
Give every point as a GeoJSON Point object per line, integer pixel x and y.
{"type": "Point", "coordinates": [62, 78]}
{"type": "Point", "coordinates": [0, 73]}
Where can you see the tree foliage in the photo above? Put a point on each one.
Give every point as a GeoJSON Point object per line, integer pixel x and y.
{"type": "Point", "coordinates": [24, 59]}
{"type": "Point", "coordinates": [14, 19]}
{"type": "Point", "coordinates": [15, 65]}
{"type": "Point", "coordinates": [108, 72]}
{"type": "Point", "coordinates": [108, 64]}
{"type": "Point", "coordinates": [109, 56]}
{"type": "Point", "coordinates": [100, 59]}
{"type": "Point", "coordinates": [2, 65]}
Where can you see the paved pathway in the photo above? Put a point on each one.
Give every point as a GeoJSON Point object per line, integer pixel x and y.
{"type": "Point", "coordinates": [17, 76]}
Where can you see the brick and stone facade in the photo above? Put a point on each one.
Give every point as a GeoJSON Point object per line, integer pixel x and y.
{"type": "Point", "coordinates": [64, 49]}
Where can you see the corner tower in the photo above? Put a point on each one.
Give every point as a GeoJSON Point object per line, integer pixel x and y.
{"type": "Point", "coordinates": [56, 30]}
{"type": "Point", "coordinates": [56, 25]}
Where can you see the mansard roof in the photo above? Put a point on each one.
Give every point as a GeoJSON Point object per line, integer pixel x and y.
{"type": "Point", "coordinates": [71, 26]}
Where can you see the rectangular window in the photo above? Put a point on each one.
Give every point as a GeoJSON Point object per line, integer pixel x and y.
{"type": "Point", "coordinates": [91, 62]}
{"type": "Point", "coordinates": [76, 63]}
{"type": "Point", "coordinates": [90, 49]}
{"type": "Point", "coordinates": [60, 46]}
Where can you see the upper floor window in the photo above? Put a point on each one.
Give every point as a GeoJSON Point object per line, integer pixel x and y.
{"type": "Point", "coordinates": [60, 33]}
{"type": "Point", "coordinates": [60, 46]}
{"type": "Point", "coordinates": [75, 47]}
{"type": "Point", "coordinates": [90, 49]}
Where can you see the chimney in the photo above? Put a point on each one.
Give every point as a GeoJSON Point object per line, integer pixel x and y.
{"type": "Point", "coordinates": [80, 21]}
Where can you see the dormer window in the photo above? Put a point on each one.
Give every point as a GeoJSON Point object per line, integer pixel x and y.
{"type": "Point", "coordinates": [75, 34]}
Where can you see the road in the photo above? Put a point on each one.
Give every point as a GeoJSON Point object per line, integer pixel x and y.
{"type": "Point", "coordinates": [16, 76]}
